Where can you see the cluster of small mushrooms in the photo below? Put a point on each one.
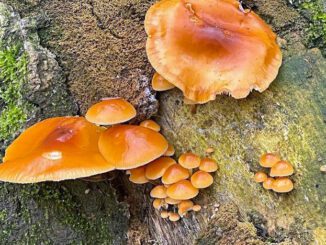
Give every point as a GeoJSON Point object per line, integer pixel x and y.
{"type": "Point", "coordinates": [279, 169]}
{"type": "Point", "coordinates": [210, 47]}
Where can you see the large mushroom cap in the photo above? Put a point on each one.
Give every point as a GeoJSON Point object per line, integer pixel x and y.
{"type": "Point", "coordinates": [130, 146]}
{"type": "Point", "coordinates": [111, 111]}
{"type": "Point", "coordinates": [53, 150]}
{"type": "Point", "coordinates": [209, 47]}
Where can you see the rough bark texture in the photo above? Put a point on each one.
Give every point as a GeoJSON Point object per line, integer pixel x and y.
{"type": "Point", "coordinates": [95, 48]}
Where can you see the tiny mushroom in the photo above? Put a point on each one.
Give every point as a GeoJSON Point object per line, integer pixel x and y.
{"type": "Point", "coordinates": [211, 47]}
{"type": "Point", "coordinates": [281, 169]}
{"type": "Point", "coordinates": [174, 217]}
{"type": "Point", "coordinates": [184, 207]}
{"type": "Point", "coordinates": [158, 167]}
{"type": "Point", "coordinates": [159, 192]}
{"type": "Point", "coordinates": [151, 125]}
{"type": "Point", "coordinates": [131, 146]}
{"type": "Point", "coordinates": [282, 185]}
{"type": "Point", "coordinates": [170, 151]}
{"type": "Point", "coordinates": [268, 183]}
{"type": "Point", "coordinates": [158, 203]}
{"type": "Point", "coordinates": [175, 173]}
{"type": "Point", "coordinates": [268, 160]}
{"type": "Point", "coordinates": [208, 165]}
{"type": "Point", "coordinates": [201, 179]}
{"type": "Point", "coordinates": [189, 160]}
{"type": "Point", "coordinates": [196, 208]}
{"type": "Point", "coordinates": [172, 201]}
{"type": "Point", "coordinates": [164, 214]}
{"type": "Point", "coordinates": [110, 111]}
{"type": "Point", "coordinates": [53, 150]}
{"type": "Point", "coordinates": [137, 175]}
{"type": "Point", "coordinates": [182, 190]}
{"type": "Point", "coordinates": [260, 177]}
{"type": "Point", "coordinates": [161, 84]}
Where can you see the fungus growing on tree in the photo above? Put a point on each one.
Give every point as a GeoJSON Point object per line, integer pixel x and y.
{"type": "Point", "coordinates": [189, 160]}
{"type": "Point", "coordinates": [260, 177]}
{"type": "Point", "coordinates": [268, 183]}
{"type": "Point", "coordinates": [150, 124]}
{"type": "Point", "coordinates": [208, 165]}
{"type": "Point", "coordinates": [182, 190]}
{"type": "Point", "coordinates": [201, 179]}
{"type": "Point", "coordinates": [282, 185]}
{"type": "Point", "coordinates": [130, 146]}
{"type": "Point", "coordinates": [170, 151]}
{"type": "Point", "coordinates": [157, 168]}
{"type": "Point", "coordinates": [55, 149]}
{"type": "Point", "coordinates": [110, 111]}
{"type": "Point", "coordinates": [158, 192]}
{"type": "Point", "coordinates": [175, 173]}
{"type": "Point", "coordinates": [281, 169]}
{"type": "Point", "coordinates": [184, 207]}
{"type": "Point", "coordinates": [211, 47]}
{"type": "Point", "coordinates": [137, 175]}
{"type": "Point", "coordinates": [268, 160]}
{"type": "Point", "coordinates": [161, 84]}
{"type": "Point", "coordinates": [172, 201]}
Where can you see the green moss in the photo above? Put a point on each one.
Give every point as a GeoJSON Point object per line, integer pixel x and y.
{"type": "Point", "coordinates": [13, 70]}
{"type": "Point", "coordinates": [317, 28]}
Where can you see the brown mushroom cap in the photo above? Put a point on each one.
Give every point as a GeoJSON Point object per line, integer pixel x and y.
{"type": "Point", "coordinates": [260, 177]}
{"type": "Point", "coordinates": [268, 183]}
{"type": "Point", "coordinates": [170, 151]}
{"type": "Point", "coordinates": [184, 207]}
{"type": "Point", "coordinates": [157, 168]}
{"type": "Point", "coordinates": [211, 47]}
{"type": "Point", "coordinates": [196, 208]}
{"type": "Point", "coordinates": [282, 185]}
{"type": "Point", "coordinates": [130, 146]}
{"type": "Point", "coordinates": [150, 124]}
{"type": "Point", "coordinates": [182, 190]}
{"type": "Point", "coordinates": [189, 160]}
{"type": "Point", "coordinates": [161, 84]}
{"type": "Point", "coordinates": [174, 217]}
{"type": "Point", "coordinates": [281, 169]}
{"type": "Point", "coordinates": [164, 214]}
{"type": "Point", "coordinates": [158, 192]}
{"type": "Point", "coordinates": [111, 111]}
{"type": "Point", "coordinates": [174, 173]}
{"type": "Point", "coordinates": [137, 175]}
{"type": "Point", "coordinates": [201, 179]}
{"type": "Point", "coordinates": [208, 165]}
{"type": "Point", "coordinates": [268, 160]}
{"type": "Point", "coordinates": [55, 149]}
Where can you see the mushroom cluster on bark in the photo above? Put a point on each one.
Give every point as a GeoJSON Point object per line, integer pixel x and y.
{"type": "Point", "coordinates": [210, 47]}
{"type": "Point", "coordinates": [280, 170]}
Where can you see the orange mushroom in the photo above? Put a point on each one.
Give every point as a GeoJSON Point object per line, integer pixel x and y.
{"type": "Point", "coordinates": [182, 190]}
{"type": "Point", "coordinates": [158, 203]}
{"type": "Point", "coordinates": [184, 207]}
{"type": "Point", "coordinates": [161, 84]}
{"type": "Point", "coordinates": [55, 149]}
{"type": "Point", "coordinates": [130, 146]}
{"type": "Point", "coordinates": [137, 175]}
{"type": "Point", "coordinates": [189, 160]}
{"type": "Point", "coordinates": [158, 192]}
{"type": "Point", "coordinates": [172, 201]}
{"type": "Point", "coordinates": [174, 173]}
{"type": "Point", "coordinates": [111, 111]}
{"type": "Point", "coordinates": [170, 151]}
{"type": "Point", "coordinates": [282, 185]}
{"type": "Point", "coordinates": [260, 177]}
{"type": "Point", "coordinates": [164, 214]}
{"type": "Point", "coordinates": [268, 183]}
{"type": "Point", "coordinates": [268, 160]}
{"type": "Point", "coordinates": [174, 217]}
{"type": "Point", "coordinates": [157, 168]}
{"type": "Point", "coordinates": [211, 47]}
{"type": "Point", "coordinates": [201, 179]}
{"type": "Point", "coordinates": [196, 208]}
{"type": "Point", "coordinates": [150, 124]}
{"type": "Point", "coordinates": [208, 165]}
{"type": "Point", "coordinates": [281, 169]}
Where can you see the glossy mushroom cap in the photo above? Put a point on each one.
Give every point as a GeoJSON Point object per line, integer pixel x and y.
{"type": "Point", "coordinates": [158, 192]}
{"type": "Point", "coordinates": [268, 183]}
{"type": "Point", "coordinates": [170, 151]}
{"type": "Point", "coordinates": [182, 190]}
{"type": "Point", "coordinates": [130, 146]}
{"type": "Point", "coordinates": [281, 169]}
{"type": "Point", "coordinates": [282, 185]}
{"type": "Point", "coordinates": [174, 217]}
{"type": "Point", "coordinates": [158, 203]}
{"type": "Point", "coordinates": [184, 207]}
{"type": "Point", "coordinates": [208, 165]}
{"type": "Point", "coordinates": [189, 160]}
{"type": "Point", "coordinates": [55, 149]}
{"type": "Point", "coordinates": [260, 177]}
{"type": "Point", "coordinates": [157, 168]}
{"type": "Point", "coordinates": [211, 47]}
{"type": "Point", "coordinates": [161, 84]}
{"type": "Point", "coordinates": [172, 201]}
{"type": "Point", "coordinates": [111, 111]}
{"type": "Point", "coordinates": [150, 124]}
{"type": "Point", "coordinates": [174, 173]}
{"type": "Point", "coordinates": [268, 160]}
{"type": "Point", "coordinates": [137, 175]}
{"type": "Point", "coordinates": [201, 179]}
